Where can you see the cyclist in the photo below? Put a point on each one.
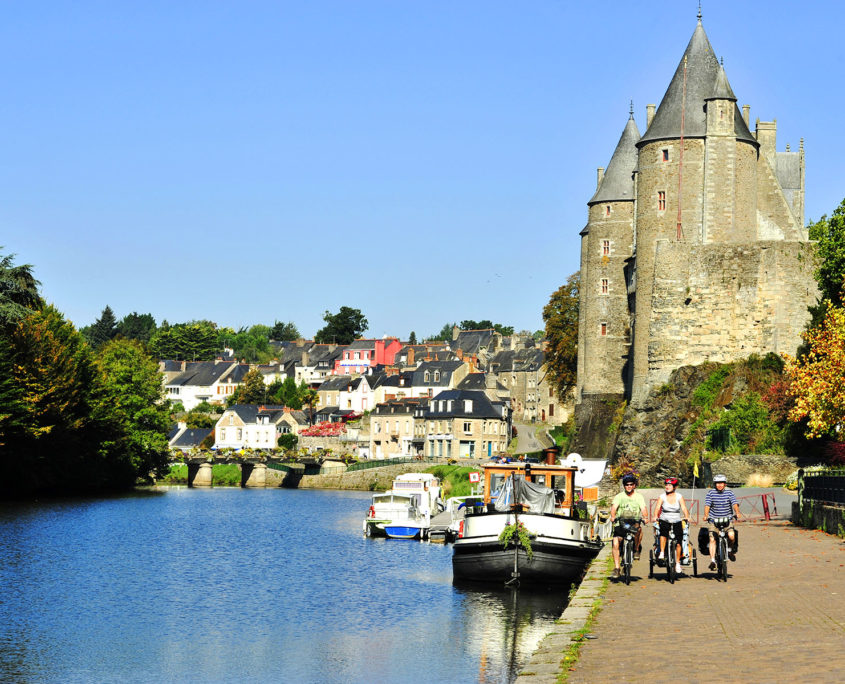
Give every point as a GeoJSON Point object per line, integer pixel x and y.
{"type": "Point", "coordinates": [628, 504]}
{"type": "Point", "coordinates": [670, 511]}
{"type": "Point", "coordinates": [720, 502]}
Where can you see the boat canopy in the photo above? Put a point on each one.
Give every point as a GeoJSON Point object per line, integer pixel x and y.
{"type": "Point", "coordinates": [517, 490]}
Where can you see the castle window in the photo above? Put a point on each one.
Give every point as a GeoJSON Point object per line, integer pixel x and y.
{"type": "Point", "coordinates": [604, 286]}
{"type": "Point", "coordinates": [605, 247]}
{"type": "Point", "coordinates": [607, 210]}
{"type": "Point", "coordinates": [661, 201]}
{"type": "Point", "coordinates": [664, 154]}
{"type": "Point", "coordinates": [603, 330]}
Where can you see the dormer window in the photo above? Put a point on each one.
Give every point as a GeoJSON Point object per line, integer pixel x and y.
{"type": "Point", "coordinates": [427, 377]}
{"type": "Point", "coordinates": [436, 376]}
{"type": "Point", "coordinates": [468, 405]}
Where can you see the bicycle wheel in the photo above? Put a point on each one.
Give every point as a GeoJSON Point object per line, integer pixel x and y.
{"type": "Point", "coordinates": [722, 560]}
{"type": "Point", "coordinates": [629, 560]}
{"type": "Point", "coordinates": [670, 560]}
{"type": "Point", "coordinates": [650, 563]}
{"type": "Point", "coordinates": [694, 563]}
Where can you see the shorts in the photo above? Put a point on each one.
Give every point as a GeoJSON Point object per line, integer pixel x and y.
{"type": "Point", "coordinates": [665, 526]}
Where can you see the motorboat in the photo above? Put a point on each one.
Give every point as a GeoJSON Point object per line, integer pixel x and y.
{"type": "Point", "coordinates": [404, 511]}
{"type": "Point", "coordinates": [530, 529]}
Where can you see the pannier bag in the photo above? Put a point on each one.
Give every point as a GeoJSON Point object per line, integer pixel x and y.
{"type": "Point", "coordinates": [704, 540]}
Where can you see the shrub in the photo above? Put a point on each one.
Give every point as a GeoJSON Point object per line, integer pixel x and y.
{"type": "Point", "coordinates": [705, 394]}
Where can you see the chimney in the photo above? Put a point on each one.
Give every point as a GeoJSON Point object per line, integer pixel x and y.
{"type": "Point", "coordinates": [287, 409]}
{"type": "Point", "coordinates": [767, 137]}
{"type": "Point", "coordinates": [599, 176]}
{"type": "Point", "coordinates": [551, 454]}
{"type": "Point", "coordinates": [455, 331]}
{"type": "Point", "coordinates": [649, 114]}
{"type": "Point", "coordinates": [746, 114]}
{"type": "Point", "coordinates": [411, 355]}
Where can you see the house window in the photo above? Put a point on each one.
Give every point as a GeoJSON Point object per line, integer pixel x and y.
{"type": "Point", "coordinates": [664, 154]}
{"type": "Point", "coordinates": [603, 332]}
{"type": "Point", "coordinates": [551, 410]}
{"type": "Point", "coordinates": [467, 427]}
{"type": "Point", "coordinates": [231, 420]}
{"type": "Point", "coordinates": [222, 434]}
{"type": "Point", "coordinates": [357, 355]}
{"type": "Point", "coordinates": [661, 201]}
{"type": "Point", "coordinates": [605, 247]}
{"type": "Point", "coordinates": [427, 377]}
{"type": "Point", "coordinates": [436, 376]}
{"type": "Point", "coordinates": [604, 286]}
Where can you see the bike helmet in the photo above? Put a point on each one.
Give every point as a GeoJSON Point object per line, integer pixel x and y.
{"type": "Point", "coordinates": [629, 478]}
{"type": "Point", "coordinates": [671, 481]}
{"type": "Point", "coordinates": [719, 478]}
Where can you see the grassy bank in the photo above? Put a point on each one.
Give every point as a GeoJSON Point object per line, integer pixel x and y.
{"type": "Point", "coordinates": [223, 475]}
{"type": "Point", "coordinates": [454, 479]}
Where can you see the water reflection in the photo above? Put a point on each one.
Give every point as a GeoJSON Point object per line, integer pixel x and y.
{"type": "Point", "coordinates": [507, 626]}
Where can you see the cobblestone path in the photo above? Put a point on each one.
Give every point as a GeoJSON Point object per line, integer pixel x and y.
{"type": "Point", "coordinates": [780, 617]}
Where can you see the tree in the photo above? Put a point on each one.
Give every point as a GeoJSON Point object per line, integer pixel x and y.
{"type": "Point", "coordinates": [412, 338]}
{"type": "Point", "coordinates": [102, 330]}
{"type": "Point", "coordinates": [561, 318]}
{"type": "Point", "coordinates": [310, 398]}
{"type": "Point", "coordinates": [288, 441]}
{"type": "Point", "coordinates": [137, 326]}
{"type": "Point", "coordinates": [194, 341]}
{"type": "Point", "coordinates": [344, 327]}
{"type": "Point", "coordinates": [284, 332]}
{"type": "Point", "coordinates": [285, 393]}
{"type": "Point", "coordinates": [445, 333]}
{"type": "Point", "coordinates": [133, 398]}
{"type": "Point", "coordinates": [252, 389]}
{"type": "Point", "coordinates": [817, 379]}
{"type": "Point", "coordinates": [18, 291]}
{"type": "Point", "coordinates": [830, 234]}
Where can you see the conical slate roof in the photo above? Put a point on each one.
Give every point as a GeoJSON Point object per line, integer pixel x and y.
{"type": "Point", "coordinates": [722, 89]}
{"type": "Point", "coordinates": [618, 181]}
{"type": "Point", "coordinates": [702, 74]}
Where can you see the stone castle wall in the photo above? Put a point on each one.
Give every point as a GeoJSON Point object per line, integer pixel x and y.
{"type": "Point", "coordinates": [721, 302]}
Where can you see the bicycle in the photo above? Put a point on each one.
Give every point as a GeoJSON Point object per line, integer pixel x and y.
{"type": "Point", "coordinates": [721, 534]}
{"type": "Point", "coordinates": [626, 554]}
{"type": "Point", "coordinates": [688, 555]}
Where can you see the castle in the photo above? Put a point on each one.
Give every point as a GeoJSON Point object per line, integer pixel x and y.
{"type": "Point", "coordinates": [695, 248]}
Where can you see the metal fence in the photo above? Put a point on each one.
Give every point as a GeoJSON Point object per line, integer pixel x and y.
{"type": "Point", "coordinates": [824, 486]}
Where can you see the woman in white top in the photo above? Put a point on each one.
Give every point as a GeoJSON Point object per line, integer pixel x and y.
{"type": "Point", "coordinates": [671, 510]}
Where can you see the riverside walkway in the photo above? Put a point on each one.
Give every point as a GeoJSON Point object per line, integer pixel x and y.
{"type": "Point", "coordinates": [780, 616]}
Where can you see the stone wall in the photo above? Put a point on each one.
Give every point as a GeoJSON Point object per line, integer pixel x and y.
{"type": "Point", "coordinates": [721, 302]}
{"type": "Point", "coordinates": [819, 516]}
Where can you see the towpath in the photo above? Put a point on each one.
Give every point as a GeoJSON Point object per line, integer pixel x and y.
{"type": "Point", "coordinates": [780, 616]}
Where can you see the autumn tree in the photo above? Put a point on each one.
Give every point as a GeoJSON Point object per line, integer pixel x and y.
{"type": "Point", "coordinates": [816, 380]}
{"type": "Point", "coordinates": [561, 318]}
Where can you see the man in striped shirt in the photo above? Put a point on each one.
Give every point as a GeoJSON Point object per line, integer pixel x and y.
{"type": "Point", "coordinates": [720, 502]}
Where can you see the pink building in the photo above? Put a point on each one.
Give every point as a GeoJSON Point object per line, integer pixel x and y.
{"type": "Point", "coordinates": [361, 355]}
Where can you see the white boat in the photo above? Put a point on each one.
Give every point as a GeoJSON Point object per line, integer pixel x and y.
{"type": "Point", "coordinates": [405, 510]}
{"type": "Point", "coordinates": [559, 538]}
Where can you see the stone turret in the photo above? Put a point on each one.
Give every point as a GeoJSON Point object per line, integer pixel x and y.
{"type": "Point", "coordinates": [607, 243]}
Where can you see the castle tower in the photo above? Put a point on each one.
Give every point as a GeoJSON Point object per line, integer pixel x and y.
{"type": "Point", "coordinates": [606, 245]}
{"type": "Point", "coordinates": [716, 262]}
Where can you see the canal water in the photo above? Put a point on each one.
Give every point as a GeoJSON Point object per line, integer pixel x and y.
{"type": "Point", "coordinates": [244, 586]}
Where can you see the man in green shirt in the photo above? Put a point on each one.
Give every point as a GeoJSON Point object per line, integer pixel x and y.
{"type": "Point", "coordinates": [628, 504]}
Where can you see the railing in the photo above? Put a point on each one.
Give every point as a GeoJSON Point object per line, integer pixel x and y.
{"type": "Point", "coordinates": [824, 486]}
{"type": "Point", "coordinates": [366, 465]}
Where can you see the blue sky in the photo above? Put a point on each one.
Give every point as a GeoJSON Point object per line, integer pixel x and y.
{"type": "Point", "coordinates": [425, 162]}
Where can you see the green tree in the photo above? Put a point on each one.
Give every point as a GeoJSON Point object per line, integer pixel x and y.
{"type": "Point", "coordinates": [561, 318]}
{"type": "Point", "coordinates": [133, 399]}
{"type": "Point", "coordinates": [102, 330]}
{"type": "Point", "coordinates": [194, 341]}
{"type": "Point", "coordinates": [412, 338]}
{"type": "Point", "coordinates": [284, 393]}
{"type": "Point", "coordinates": [52, 428]}
{"type": "Point", "coordinates": [445, 333]}
{"type": "Point", "coordinates": [830, 273]}
{"type": "Point", "coordinates": [309, 398]}
{"type": "Point", "coordinates": [284, 332]}
{"type": "Point", "coordinates": [344, 327]}
{"type": "Point", "coordinates": [288, 441]}
{"type": "Point", "coordinates": [251, 345]}
{"type": "Point", "coordinates": [18, 291]}
{"type": "Point", "coordinates": [137, 326]}
{"type": "Point", "coordinates": [252, 390]}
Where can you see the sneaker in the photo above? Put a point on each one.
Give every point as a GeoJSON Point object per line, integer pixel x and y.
{"type": "Point", "coordinates": [678, 569]}
{"type": "Point", "coordinates": [660, 556]}
{"type": "Point", "coordinates": [731, 556]}
{"type": "Point", "coordinates": [712, 563]}
{"type": "Point", "coordinates": [637, 555]}
{"type": "Point", "coordinates": [616, 573]}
